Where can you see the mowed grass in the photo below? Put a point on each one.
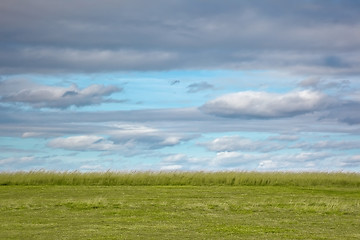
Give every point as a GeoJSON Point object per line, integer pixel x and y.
{"type": "Point", "coordinates": [179, 205]}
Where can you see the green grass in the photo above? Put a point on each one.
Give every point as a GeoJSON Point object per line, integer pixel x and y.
{"type": "Point", "coordinates": [179, 205]}
{"type": "Point", "coordinates": [180, 178]}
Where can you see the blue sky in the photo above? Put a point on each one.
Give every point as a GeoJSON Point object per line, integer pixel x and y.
{"type": "Point", "coordinates": [180, 85]}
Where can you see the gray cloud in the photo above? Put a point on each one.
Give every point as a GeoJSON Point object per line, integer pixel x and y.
{"type": "Point", "coordinates": [353, 161]}
{"type": "Point", "coordinates": [173, 122]}
{"type": "Point", "coordinates": [348, 113]}
{"type": "Point", "coordinates": [237, 143]}
{"type": "Point", "coordinates": [284, 137]}
{"type": "Point", "coordinates": [43, 96]}
{"type": "Point", "coordinates": [173, 82]}
{"type": "Point", "coordinates": [197, 87]}
{"type": "Point", "coordinates": [312, 36]}
{"type": "Point", "coordinates": [329, 145]}
{"type": "Point", "coordinates": [267, 105]}
{"type": "Point", "coordinates": [320, 84]}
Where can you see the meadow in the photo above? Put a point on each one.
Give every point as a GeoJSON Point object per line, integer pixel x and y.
{"type": "Point", "coordinates": [179, 205]}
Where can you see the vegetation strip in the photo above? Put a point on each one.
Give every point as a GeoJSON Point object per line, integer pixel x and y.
{"type": "Point", "coordinates": [181, 178]}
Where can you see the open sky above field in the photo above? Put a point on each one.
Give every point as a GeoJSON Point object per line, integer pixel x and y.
{"type": "Point", "coordinates": [180, 85]}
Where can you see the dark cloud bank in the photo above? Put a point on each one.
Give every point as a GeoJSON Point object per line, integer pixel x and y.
{"type": "Point", "coordinates": [76, 36]}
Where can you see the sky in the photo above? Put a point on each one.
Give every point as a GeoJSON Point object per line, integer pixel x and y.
{"type": "Point", "coordinates": [186, 85]}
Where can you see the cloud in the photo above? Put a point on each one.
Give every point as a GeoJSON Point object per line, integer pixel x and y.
{"type": "Point", "coordinates": [143, 136]}
{"type": "Point", "coordinates": [9, 161]}
{"type": "Point", "coordinates": [331, 145]}
{"type": "Point", "coordinates": [174, 82]}
{"type": "Point", "coordinates": [320, 84]}
{"type": "Point", "coordinates": [348, 113]}
{"type": "Point", "coordinates": [267, 105]}
{"type": "Point", "coordinates": [354, 96]}
{"type": "Point", "coordinates": [185, 162]}
{"type": "Point", "coordinates": [179, 34]}
{"type": "Point", "coordinates": [268, 164]}
{"type": "Point", "coordinates": [88, 167]}
{"type": "Point", "coordinates": [171, 168]}
{"type": "Point", "coordinates": [353, 161]}
{"type": "Point", "coordinates": [236, 143]}
{"type": "Point", "coordinates": [125, 139]}
{"type": "Point", "coordinates": [82, 143]}
{"type": "Point", "coordinates": [284, 137]}
{"type": "Point", "coordinates": [305, 157]}
{"type": "Point", "coordinates": [267, 161]}
{"type": "Point", "coordinates": [236, 160]}
{"type": "Point", "coordinates": [335, 62]}
{"type": "Point", "coordinates": [175, 158]}
{"type": "Point", "coordinates": [50, 60]}
{"type": "Point", "coordinates": [233, 160]}
{"type": "Point", "coordinates": [183, 124]}
{"type": "Point", "coordinates": [197, 87]}
{"type": "Point", "coordinates": [19, 163]}
{"type": "Point", "coordinates": [303, 161]}
{"type": "Point", "coordinates": [43, 96]}
{"type": "Point", "coordinates": [32, 134]}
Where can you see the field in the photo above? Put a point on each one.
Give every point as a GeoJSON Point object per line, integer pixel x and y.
{"type": "Point", "coordinates": [179, 205]}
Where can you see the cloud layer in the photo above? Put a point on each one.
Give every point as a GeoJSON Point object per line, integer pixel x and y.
{"type": "Point", "coordinates": [43, 96]}
{"type": "Point", "coordinates": [311, 36]}
{"type": "Point", "coordinates": [82, 143]}
{"type": "Point", "coordinates": [237, 143]}
{"type": "Point", "coordinates": [267, 105]}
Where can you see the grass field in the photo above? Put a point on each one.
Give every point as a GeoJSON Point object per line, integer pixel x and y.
{"type": "Point", "coordinates": [192, 205]}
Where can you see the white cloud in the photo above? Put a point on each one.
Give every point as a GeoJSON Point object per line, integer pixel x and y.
{"type": "Point", "coordinates": [171, 167]}
{"type": "Point", "coordinates": [14, 160]}
{"type": "Point", "coordinates": [306, 156]}
{"type": "Point", "coordinates": [186, 162]}
{"type": "Point", "coordinates": [236, 143]}
{"type": "Point", "coordinates": [175, 158]}
{"type": "Point", "coordinates": [268, 164]}
{"type": "Point", "coordinates": [144, 136]}
{"type": "Point", "coordinates": [31, 134]}
{"type": "Point", "coordinates": [18, 163]}
{"type": "Point", "coordinates": [89, 167]}
{"type": "Point", "coordinates": [228, 155]}
{"type": "Point", "coordinates": [234, 159]}
{"type": "Point", "coordinates": [302, 161]}
{"type": "Point", "coordinates": [353, 161]}
{"type": "Point", "coordinates": [126, 139]}
{"type": "Point", "coordinates": [43, 96]}
{"type": "Point", "coordinates": [267, 105]}
{"type": "Point", "coordinates": [82, 143]}
{"type": "Point", "coordinates": [261, 161]}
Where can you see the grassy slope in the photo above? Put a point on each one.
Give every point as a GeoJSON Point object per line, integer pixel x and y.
{"type": "Point", "coordinates": [323, 211]}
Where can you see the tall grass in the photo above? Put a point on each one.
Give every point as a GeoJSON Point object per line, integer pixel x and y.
{"type": "Point", "coordinates": [181, 178]}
